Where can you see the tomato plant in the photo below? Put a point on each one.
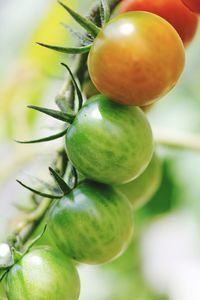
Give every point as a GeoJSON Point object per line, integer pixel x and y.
{"type": "Point", "coordinates": [193, 5]}
{"type": "Point", "coordinates": [140, 190]}
{"type": "Point", "coordinates": [42, 274]}
{"type": "Point", "coordinates": [106, 164]}
{"type": "Point", "coordinates": [136, 58]}
{"type": "Point", "coordinates": [106, 139]}
{"type": "Point", "coordinates": [180, 17]}
{"type": "Point", "coordinates": [92, 224]}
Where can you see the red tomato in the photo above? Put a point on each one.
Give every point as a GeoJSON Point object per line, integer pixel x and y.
{"type": "Point", "coordinates": [193, 5]}
{"type": "Point", "coordinates": [174, 11]}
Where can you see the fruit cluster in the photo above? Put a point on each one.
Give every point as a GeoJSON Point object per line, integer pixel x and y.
{"type": "Point", "coordinates": [134, 59]}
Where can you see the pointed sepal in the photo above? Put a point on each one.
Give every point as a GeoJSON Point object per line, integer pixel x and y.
{"type": "Point", "coordinates": [89, 26]}
{"type": "Point", "coordinates": [56, 114]}
{"type": "Point", "coordinates": [78, 91]}
{"type": "Point", "coordinates": [16, 255]}
{"type": "Point", "coordinates": [60, 181]}
{"type": "Point", "coordinates": [3, 274]}
{"type": "Point", "coordinates": [45, 139]}
{"type": "Point", "coordinates": [71, 176]}
{"type": "Point", "coordinates": [104, 11]}
{"type": "Point", "coordinates": [67, 50]}
{"type": "Point", "coordinates": [34, 241]}
{"type": "Point", "coordinates": [83, 39]}
{"type": "Point", "coordinates": [45, 195]}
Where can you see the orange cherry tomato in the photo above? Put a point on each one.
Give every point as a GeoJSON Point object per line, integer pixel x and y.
{"type": "Point", "coordinates": [136, 58]}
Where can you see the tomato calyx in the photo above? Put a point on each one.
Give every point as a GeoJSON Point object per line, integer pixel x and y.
{"type": "Point", "coordinates": [10, 255]}
{"type": "Point", "coordinates": [91, 28]}
{"type": "Point", "coordinates": [63, 186]}
{"type": "Point", "coordinates": [67, 117]}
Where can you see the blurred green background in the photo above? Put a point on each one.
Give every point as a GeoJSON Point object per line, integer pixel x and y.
{"type": "Point", "coordinates": [163, 261]}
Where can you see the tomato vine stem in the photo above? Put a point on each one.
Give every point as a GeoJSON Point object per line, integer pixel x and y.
{"type": "Point", "coordinates": [27, 227]}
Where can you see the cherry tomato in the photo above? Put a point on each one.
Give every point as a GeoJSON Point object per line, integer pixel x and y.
{"type": "Point", "coordinates": [93, 224]}
{"type": "Point", "coordinates": [140, 190]}
{"type": "Point", "coordinates": [180, 17]}
{"type": "Point", "coordinates": [136, 58]}
{"type": "Point", "coordinates": [43, 274]}
{"type": "Point", "coordinates": [109, 142]}
{"type": "Point", "coordinates": [193, 5]}
{"type": "Point", "coordinates": [2, 292]}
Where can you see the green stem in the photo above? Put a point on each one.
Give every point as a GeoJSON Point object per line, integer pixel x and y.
{"type": "Point", "coordinates": [26, 227]}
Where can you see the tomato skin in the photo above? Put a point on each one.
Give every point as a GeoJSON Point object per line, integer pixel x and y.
{"type": "Point", "coordinates": [93, 224]}
{"type": "Point", "coordinates": [136, 58]}
{"type": "Point", "coordinates": [2, 292]}
{"type": "Point", "coordinates": [140, 190]}
{"type": "Point", "coordinates": [108, 142]}
{"type": "Point", "coordinates": [180, 17]}
{"type": "Point", "coordinates": [193, 5]}
{"type": "Point", "coordinates": [43, 274]}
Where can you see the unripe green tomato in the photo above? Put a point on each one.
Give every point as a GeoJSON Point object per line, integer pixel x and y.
{"type": "Point", "coordinates": [136, 58]}
{"type": "Point", "coordinates": [140, 190]}
{"type": "Point", "coordinates": [108, 142]}
{"type": "Point", "coordinates": [43, 274]}
{"type": "Point", "coordinates": [2, 292]}
{"type": "Point", "coordinates": [92, 224]}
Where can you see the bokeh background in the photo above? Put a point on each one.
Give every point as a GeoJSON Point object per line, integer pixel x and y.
{"type": "Point", "coordinates": [163, 261]}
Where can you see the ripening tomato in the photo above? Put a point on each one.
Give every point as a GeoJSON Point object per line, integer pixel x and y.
{"type": "Point", "coordinates": [43, 274]}
{"type": "Point", "coordinates": [108, 142]}
{"type": "Point", "coordinates": [178, 15]}
{"type": "Point", "coordinates": [136, 58]}
{"type": "Point", "coordinates": [193, 5]}
{"type": "Point", "coordinates": [92, 224]}
{"type": "Point", "coordinates": [140, 190]}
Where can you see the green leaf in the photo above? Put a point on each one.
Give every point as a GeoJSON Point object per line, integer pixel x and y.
{"type": "Point", "coordinates": [60, 181]}
{"type": "Point", "coordinates": [68, 50]}
{"type": "Point", "coordinates": [82, 38]}
{"type": "Point", "coordinates": [84, 22]}
{"type": "Point", "coordinates": [45, 195]}
{"type": "Point", "coordinates": [45, 139]}
{"type": "Point", "coordinates": [78, 91]}
{"type": "Point", "coordinates": [56, 114]}
{"type": "Point", "coordinates": [104, 11]}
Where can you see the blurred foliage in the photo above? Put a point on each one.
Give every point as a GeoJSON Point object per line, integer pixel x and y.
{"type": "Point", "coordinates": [32, 72]}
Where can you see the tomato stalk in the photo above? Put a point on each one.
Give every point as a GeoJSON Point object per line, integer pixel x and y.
{"type": "Point", "coordinates": [64, 101]}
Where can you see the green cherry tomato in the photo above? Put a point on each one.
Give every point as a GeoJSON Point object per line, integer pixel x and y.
{"type": "Point", "coordinates": [178, 15]}
{"type": "Point", "coordinates": [2, 292]}
{"type": "Point", "coordinates": [43, 274]}
{"type": "Point", "coordinates": [93, 224]}
{"type": "Point", "coordinates": [140, 190]}
{"type": "Point", "coordinates": [109, 142]}
{"type": "Point", "coordinates": [136, 58]}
